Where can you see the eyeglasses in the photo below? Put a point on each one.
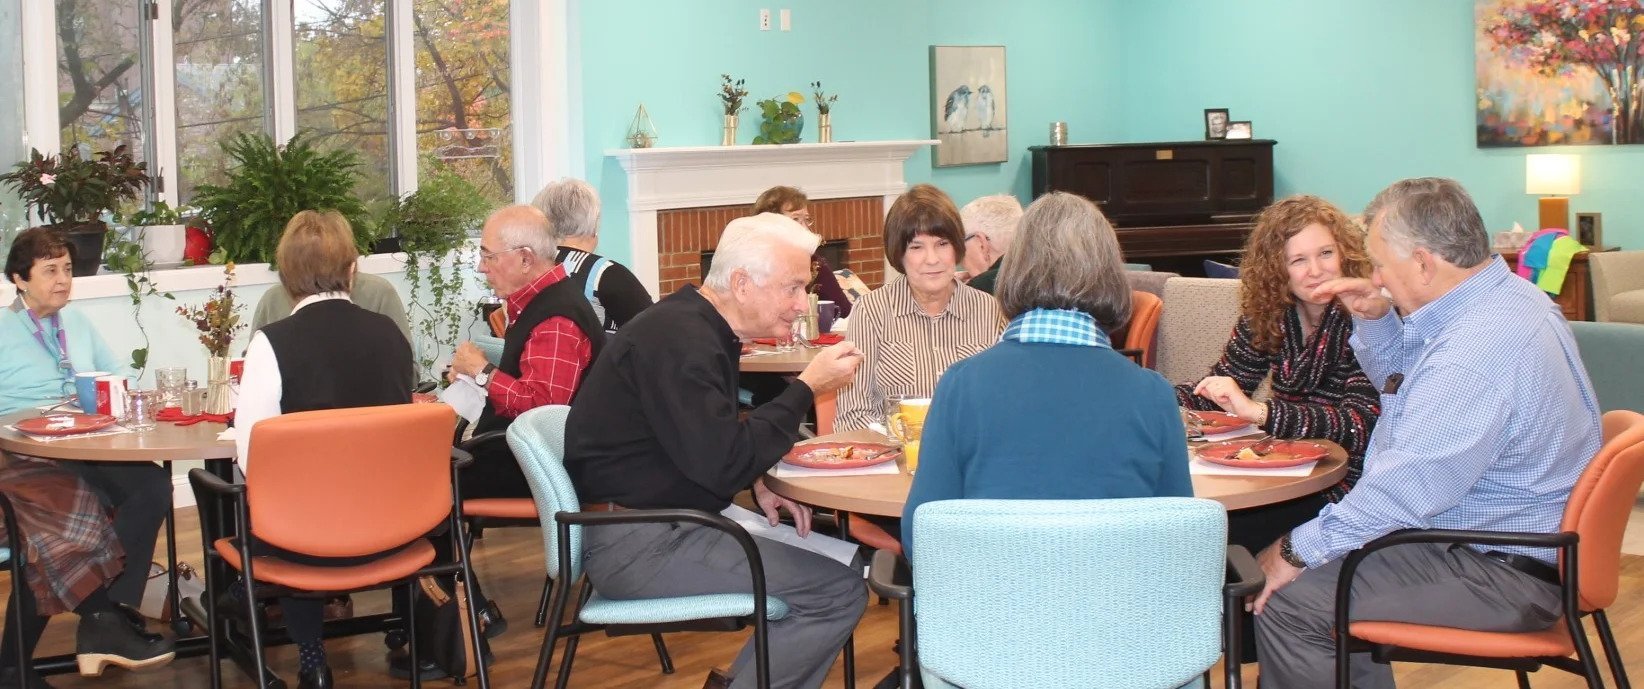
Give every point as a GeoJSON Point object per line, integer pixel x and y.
{"type": "Point", "coordinates": [971, 236]}
{"type": "Point", "coordinates": [803, 220]}
{"type": "Point", "coordinates": [487, 256]}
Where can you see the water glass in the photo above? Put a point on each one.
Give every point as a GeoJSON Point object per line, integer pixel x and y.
{"type": "Point", "coordinates": [141, 408]}
{"type": "Point", "coordinates": [169, 381]}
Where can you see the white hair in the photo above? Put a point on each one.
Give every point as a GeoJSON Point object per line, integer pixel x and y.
{"type": "Point", "coordinates": [525, 226]}
{"type": "Point", "coordinates": [994, 216]}
{"type": "Point", "coordinates": [572, 207]}
{"type": "Point", "coordinates": [749, 244]}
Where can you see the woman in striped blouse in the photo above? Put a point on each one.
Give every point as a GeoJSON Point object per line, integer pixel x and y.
{"type": "Point", "coordinates": [922, 321]}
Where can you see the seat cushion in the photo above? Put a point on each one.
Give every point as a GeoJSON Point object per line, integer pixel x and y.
{"type": "Point", "coordinates": [601, 610]}
{"type": "Point", "coordinates": [500, 508]}
{"type": "Point", "coordinates": [5, 556]}
{"type": "Point", "coordinates": [273, 570]}
{"type": "Point", "coordinates": [1221, 271]}
{"type": "Point", "coordinates": [1553, 642]}
{"type": "Point", "coordinates": [1628, 307]}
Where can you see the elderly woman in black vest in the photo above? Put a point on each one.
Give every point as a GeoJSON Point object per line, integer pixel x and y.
{"type": "Point", "coordinates": [329, 354]}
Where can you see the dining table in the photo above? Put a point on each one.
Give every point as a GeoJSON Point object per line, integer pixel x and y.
{"type": "Point", "coordinates": [769, 359]}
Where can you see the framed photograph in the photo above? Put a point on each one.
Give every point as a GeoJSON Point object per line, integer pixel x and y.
{"type": "Point", "coordinates": [1239, 130]}
{"type": "Point", "coordinates": [1215, 123]}
{"type": "Point", "coordinates": [967, 88]}
{"type": "Point", "coordinates": [1590, 229]}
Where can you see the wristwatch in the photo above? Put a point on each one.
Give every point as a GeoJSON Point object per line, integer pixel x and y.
{"type": "Point", "coordinates": [1289, 553]}
{"type": "Point", "coordinates": [483, 378]}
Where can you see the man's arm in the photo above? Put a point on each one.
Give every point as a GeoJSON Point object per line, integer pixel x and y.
{"type": "Point", "coordinates": [550, 367]}
{"type": "Point", "coordinates": [1379, 346]}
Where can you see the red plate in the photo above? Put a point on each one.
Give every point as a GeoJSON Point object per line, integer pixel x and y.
{"type": "Point", "coordinates": [1219, 422]}
{"type": "Point", "coordinates": [1284, 453]}
{"type": "Point", "coordinates": [83, 423]}
{"type": "Point", "coordinates": [829, 455]}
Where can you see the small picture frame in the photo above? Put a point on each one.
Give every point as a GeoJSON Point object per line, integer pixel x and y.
{"type": "Point", "coordinates": [1239, 130]}
{"type": "Point", "coordinates": [1590, 229]}
{"type": "Point", "coordinates": [1215, 124]}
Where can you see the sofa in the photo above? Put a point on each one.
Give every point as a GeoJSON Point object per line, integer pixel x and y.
{"type": "Point", "coordinates": [1618, 286]}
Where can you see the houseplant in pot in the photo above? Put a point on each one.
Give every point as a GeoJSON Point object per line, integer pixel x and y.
{"type": "Point", "coordinates": [433, 225]}
{"type": "Point", "coordinates": [159, 230]}
{"type": "Point", "coordinates": [71, 192]}
{"type": "Point", "coordinates": [268, 184]}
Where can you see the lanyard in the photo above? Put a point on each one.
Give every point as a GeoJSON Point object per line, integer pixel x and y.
{"type": "Point", "coordinates": [61, 354]}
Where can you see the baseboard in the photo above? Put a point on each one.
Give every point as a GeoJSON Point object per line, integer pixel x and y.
{"type": "Point", "coordinates": [182, 495]}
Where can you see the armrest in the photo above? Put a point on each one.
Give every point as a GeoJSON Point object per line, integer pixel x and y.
{"type": "Point", "coordinates": [888, 576]}
{"type": "Point", "coordinates": [1245, 576]}
{"type": "Point", "coordinates": [756, 565]}
{"type": "Point", "coordinates": [483, 439]}
{"type": "Point", "coordinates": [425, 386]}
{"type": "Point", "coordinates": [460, 458]}
{"type": "Point", "coordinates": [202, 479]}
{"type": "Point", "coordinates": [1508, 538]}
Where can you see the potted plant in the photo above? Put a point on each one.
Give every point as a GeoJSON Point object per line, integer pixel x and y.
{"type": "Point", "coordinates": [824, 108]}
{"type": "Point", "coordinates": [731, 94]}
{"type": "Point", "coordinates": [72, 192]}
{"type": "Point", "coordinates": [268, 184]}
{"type": "Point", "coordinates": [159, 230]}
{"type": "Point", "coordinates": [783, 120]}
{"type": "Point", "coordinates": [218, 321]}
{"type": "Point", "coordinates": [433, 224]}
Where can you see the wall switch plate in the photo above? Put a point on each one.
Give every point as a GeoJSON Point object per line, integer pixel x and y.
{"type": "Point", "coordinates": [764, 20]}
{"type": "Point", "coordinates": [787, 19]}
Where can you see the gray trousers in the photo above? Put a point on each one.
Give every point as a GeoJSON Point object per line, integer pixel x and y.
{"type": "Point", "coordinates": [1419, 583]}
{"type": "Point", "coordinates": [825, 599]}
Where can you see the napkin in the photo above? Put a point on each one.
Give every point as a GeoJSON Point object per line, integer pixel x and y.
{"type": "Point", "coordinates": [111, 430]}
{"type": "Point", "coordinates": [175, 415]}
{"type": "Point", "coordinates": [828, 339]}
{"type": "Point", "coordinates": [786, 470]}
{"type": "Point", "coordinates": [760, 527]}
{"type": "Point", "coordinates": [1200, 467]}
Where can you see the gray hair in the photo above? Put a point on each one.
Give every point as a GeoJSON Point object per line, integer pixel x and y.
{"type": "Point", "coordinates": [749, 244]}
{"type": "Point", "coordinates": [1433, 213]}
{"type": "Point", "coordinates": [1065, 257]}
{"type": "Point", "coordinates": [572, 207]}
{"type": "Point", "coordinates": [525, 226]}
{"type": "Point", "coordinates": [995, 216]}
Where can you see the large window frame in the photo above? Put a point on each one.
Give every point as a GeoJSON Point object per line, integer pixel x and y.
{"type": "Point", "coordinates": [546, 128]}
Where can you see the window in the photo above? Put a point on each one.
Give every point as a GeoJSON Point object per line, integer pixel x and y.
{"type": "Point", "coordinates": [100, 75]}
{"type": "Point", "coordinates": [11, 117]}
{"type": "Point", "coordinates": [217, 49]}
{"type": "Point", "coordinates": [342, 82]}
{"type": "Point", "coordinates": [464, 120]}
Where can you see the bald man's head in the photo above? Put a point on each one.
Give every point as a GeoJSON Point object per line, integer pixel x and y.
{"type": "Point", "coordinates": [523, 226]}
{"type": "Point", "coordinates": [516, 247]}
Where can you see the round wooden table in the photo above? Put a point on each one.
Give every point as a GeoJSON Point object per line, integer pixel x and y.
{"type": "Point", "coordinates": [166, 443]}
{"type": "Point", "coordinates": [884, 494]}
{"type": "Point", "coordinates": [780, 362]}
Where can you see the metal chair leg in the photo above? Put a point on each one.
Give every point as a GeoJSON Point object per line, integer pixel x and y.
{"type": "Point", "coordinates": [542, 607]}
{"type": "Point", "coordinates": [850, 661]}
{"type": "Point", "coordinates": [1618, 670]}
{"type": "Point", "coordinates": [545, 657]}
{"type": "Point", "coordinates": [259, 663]}
{"type": "Point", "coordinates": [1523, 679]}
{"type": "Point", "coordinates": [411, 637]}
{"type": "Point", "coordinates": [662, 654]}
{"type": "Point", "coordinates": [1584, 655]}
{"type": "Point", "coordinates": [570, 655]}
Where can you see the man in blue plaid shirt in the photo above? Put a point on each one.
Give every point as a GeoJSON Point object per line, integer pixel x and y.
{"type": "Point", "coordinates": [1487, 421]}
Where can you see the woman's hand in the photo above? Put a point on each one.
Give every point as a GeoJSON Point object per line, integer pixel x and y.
{"type": "Point", "coordinates": [1225, 392]}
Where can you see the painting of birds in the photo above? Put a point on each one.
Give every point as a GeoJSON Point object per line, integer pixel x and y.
{"type": "Point", "coordinates": [957, 109]}
{"type": "Point", "coordinates": [984, 109]}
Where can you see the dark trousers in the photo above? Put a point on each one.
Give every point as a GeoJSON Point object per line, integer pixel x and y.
{"type": "Point", "coordinates": [139, 496]}
{"type": "Point", "coordinates": [494, 474]}
{"type": "Point", "coordinates": [1258, 527]}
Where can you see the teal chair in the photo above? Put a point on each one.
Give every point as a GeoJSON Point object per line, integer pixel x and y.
{"type": "Point", "coordinates": [491, 347]}
{"type": "Point", "coordinates": [1611, 352]}
{"type": "Point", "coordinates": [537, 438]}
{"type": "Point", "coordinates": [1095, 594]}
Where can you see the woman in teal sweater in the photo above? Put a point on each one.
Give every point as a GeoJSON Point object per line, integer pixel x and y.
{"type": "Point", "coordinates": [1051, 411]}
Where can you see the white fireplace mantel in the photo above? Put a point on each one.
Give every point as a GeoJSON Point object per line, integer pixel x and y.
{"type": "Point", "coordinates": [703, 176]}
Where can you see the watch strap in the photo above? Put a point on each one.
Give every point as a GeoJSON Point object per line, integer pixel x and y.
{"type": "Point", "coordinates": [1288, 553]}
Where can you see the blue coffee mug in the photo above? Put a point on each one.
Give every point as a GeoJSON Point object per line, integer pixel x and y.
{"type": "Point", "coordinates": [85, 385]}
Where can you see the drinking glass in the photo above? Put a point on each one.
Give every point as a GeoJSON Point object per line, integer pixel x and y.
{"type": "Point", "coordinates": [141, 406]}
{"type": "Point", "coordinates": [169, 381]}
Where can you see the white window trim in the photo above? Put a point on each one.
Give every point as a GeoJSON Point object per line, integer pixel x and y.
{"type": "Point", "coordinates": [39, 24]}
{"type": "Point", "coordinates": [402, 75]}
{"type": "Point", "coordinates": [163, 103]}
{"type": "Point", "coordinates": [279, 77]}
{"type": "Point", "coordinates": [547, 110]}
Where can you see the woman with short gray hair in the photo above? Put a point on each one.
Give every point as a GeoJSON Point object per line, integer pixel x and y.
{"type": "Point", "coordinates": [1084, 421]}
{"type": "Point", "coordinates": [572, 207]}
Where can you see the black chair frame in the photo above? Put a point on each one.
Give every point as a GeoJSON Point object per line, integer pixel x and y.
{"type": "Point", "coordinates": [19, 588]}
{"type": "Point", "coordinates": [1567, 543]}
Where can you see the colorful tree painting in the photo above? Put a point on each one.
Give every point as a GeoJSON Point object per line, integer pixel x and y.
{"type": "Point", "coordinates": [1559, 72]}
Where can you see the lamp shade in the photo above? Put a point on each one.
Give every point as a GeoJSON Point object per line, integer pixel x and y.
{"type": "Point", "coordinates": [1552, 174]}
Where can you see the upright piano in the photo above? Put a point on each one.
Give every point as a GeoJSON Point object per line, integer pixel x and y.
{"type": "Point", "coordinates": [1173, 204]}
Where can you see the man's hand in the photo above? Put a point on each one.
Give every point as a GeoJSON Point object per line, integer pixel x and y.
{"type": "Point", "coordinates": [770, 503]}
{"type": "Point", "coordinates": [1359, 296]}
{"type": "Point", "coordinates": [1278, 572]}
{"type": "Point", "coordinates": [1225, 392]}
{"type": "Point", "coordinates": [468, 360]}
{"type": "Point", "coordinates": [833, 368]}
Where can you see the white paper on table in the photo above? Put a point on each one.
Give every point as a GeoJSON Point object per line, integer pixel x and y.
{"type": "Point", "coordinates": [786, 470]}
{"type": "Point", "coordinates": [228, 434]}
{"type": "Point", "coordinates": [1240, 432]}
{"type": "Point", "coordinates": [466, 397]}
{"type": "Point", "coordinates": [1200, 467]}
{"type": "Point", "coordinates": [112, 430]}
{"type": "Point", "coordinates": [760, 352]}
{"type": "Point", "coordinates": [832, 548]}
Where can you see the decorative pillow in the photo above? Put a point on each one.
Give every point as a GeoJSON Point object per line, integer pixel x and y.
{"type": "Point", "coordinates": [853, 285]}
{"type": "Point", "coordinates": [1213, 269]}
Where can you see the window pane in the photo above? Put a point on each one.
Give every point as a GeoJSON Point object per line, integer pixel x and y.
{"type": "Point", "coordinates": [219, 66]}
{"type": "Point", "coordinates": [11, 118]}
{"type": "Point", "coordinates": [99, 75]}
{"type": "Point", "coordinates": [464, 120]}
{"type": "Point", "coordinates": [342, 82]}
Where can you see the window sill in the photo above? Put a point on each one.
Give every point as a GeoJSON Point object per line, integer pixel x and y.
{"type": "Point", "coordinates": [184, 279]}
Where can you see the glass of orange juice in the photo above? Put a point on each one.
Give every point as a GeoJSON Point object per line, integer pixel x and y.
{"type": "Point", "coordinates": [910, 455]}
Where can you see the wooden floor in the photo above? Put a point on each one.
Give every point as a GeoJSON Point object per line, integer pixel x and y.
{"type": "Point", "coordinates": [510, 564]}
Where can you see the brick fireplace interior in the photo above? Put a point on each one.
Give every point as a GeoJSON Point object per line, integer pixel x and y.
{"type": "Point", "coordinates": [855, 226]}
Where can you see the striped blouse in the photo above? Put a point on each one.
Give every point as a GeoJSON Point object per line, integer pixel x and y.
{"type": "Point", "coordinates": [906, 349]}
{"type": "Point", "coordinates": [1319, 391]}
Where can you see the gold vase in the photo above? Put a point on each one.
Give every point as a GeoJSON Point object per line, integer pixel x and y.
{"type": "Point", "coordinates": [824, 123]}
{"type": "Point", "coordinates": [219, 398]}
{"type": "Point", "coordinates": [728, 135]}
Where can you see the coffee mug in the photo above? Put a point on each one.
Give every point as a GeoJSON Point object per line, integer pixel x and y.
{"type": "Point", "coordinates": [85, 388]}
{"type": "Point", "coordinates": [826, 312]}
{"type": "Point", "coordinates": [908, 421]}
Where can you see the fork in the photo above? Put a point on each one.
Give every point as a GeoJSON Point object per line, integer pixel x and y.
{"type": "Point", "coordinates": [1263, 446]}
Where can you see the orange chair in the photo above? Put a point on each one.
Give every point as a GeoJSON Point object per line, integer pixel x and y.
{"type": "Point", "coordinates": [1145, 308]}
{"type": "Point", "coordinates": [396, 482]}
{"type": "Point", "coordinates": [1595, 518]}
{"type": "Point", "coordinates": [498, 322]}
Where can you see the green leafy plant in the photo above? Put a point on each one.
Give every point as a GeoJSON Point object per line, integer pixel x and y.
{"type": "Point", "coordinates": [126, 256]}
{"type": "Point", "coordinates": [70, 189]}
{"type": "Point", "coordinates": [433, 224]}
{"type": "Point", "coordinates": [161, 213]}
{"type": "Point", "coordinates": [782, 121]}
{"type": "Point", "coordinates": [731, 94]}
{"type": "Point", "coordinates": [824, 102]}
{"type": "Point", "coordinates": [269, 184]}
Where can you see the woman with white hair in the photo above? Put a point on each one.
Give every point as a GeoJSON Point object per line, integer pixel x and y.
{"type": "Point", "coordinates": [572, 207]}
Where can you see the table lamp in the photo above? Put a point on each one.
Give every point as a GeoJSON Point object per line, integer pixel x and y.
{"type": "Point", "coordinates": [1555, 177]}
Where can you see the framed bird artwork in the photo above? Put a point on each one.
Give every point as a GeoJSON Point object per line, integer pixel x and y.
{"type": "Point", "coordinates": [968, 104]}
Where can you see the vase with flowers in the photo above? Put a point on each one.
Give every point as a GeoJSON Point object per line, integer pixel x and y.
{"type": "Point", "coordinates": [72, 191]}
{"type": "Point", "coordinates": [783, 120]}
{"type": "Point", "coordinates": [218, 321]}
{"type": "Point", "coordinates": [824, 108]}
{"type": "Point", "coordinates": [731, 94]}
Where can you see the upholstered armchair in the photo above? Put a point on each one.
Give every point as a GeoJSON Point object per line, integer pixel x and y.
{"type": "Point", "coordinates": [1618, 286]}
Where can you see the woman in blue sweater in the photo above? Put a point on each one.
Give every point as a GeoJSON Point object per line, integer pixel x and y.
{"type": "Point", "coordinates": [1051, 411]}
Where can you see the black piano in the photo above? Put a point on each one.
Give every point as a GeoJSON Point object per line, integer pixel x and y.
{"type": "Point", "coordinates": [1173, 204]}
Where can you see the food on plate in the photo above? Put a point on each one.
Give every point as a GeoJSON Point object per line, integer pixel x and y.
{"type": "Point", "coordinates": [832, 455]}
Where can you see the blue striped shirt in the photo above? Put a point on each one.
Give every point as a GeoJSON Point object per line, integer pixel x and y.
{"type": "Point", "coordinates": [1493, 423]}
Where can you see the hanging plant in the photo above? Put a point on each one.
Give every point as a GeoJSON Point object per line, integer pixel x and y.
{"type": "Point", "coordinates": [433, 224]}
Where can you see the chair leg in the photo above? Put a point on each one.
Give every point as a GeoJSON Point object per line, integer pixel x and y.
{"type": "Point", "coordinates": [259, 663]}
{"type": "Point", "coordinates": [662, 654]}
{"type": "Point", "coordinates": [542, 607]}
{"type": "Point", "coordinates": [214, 625]}
{"type": "Point", "coordinates": [1584, 655]}
{"type": "Point", "coordinates": [1523, 679]}
{"type": "Point", "coordinates": [850, 661]}
{"type": "Point", "coordinates": [556, 610]}
{"type": "Point", "coordinates": [1611, 653]}
{"type": "Point", "coordinates": [908, 652]}
{"type": "Point", "coordinates": [571, 643]}
{"type": "Point", "coordinates": [476, 636]}
{"type": "Point", "coordinates": [411, 636]}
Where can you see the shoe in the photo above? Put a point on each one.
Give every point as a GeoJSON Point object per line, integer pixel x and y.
{"type": "Point", "coordinates": [320, 678]}
{"type": "Point", "coordinates": [9, 679]}
{"type": "Point", "coordinates": [139, 624]}
{"type": "Point", "coordinates": [717, 679]}
{"type": "Point", "coordinates": [106, 638]}
{"type": "Point", "coordinates": [399, 667]}
{"type": "Point", "coordinates": [491, 621]}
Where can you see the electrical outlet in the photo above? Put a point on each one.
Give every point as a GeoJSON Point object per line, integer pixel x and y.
{"type": "Point", "coordinates": [764, 20]}
{"type": "Point", "coordinates": [787, 19]}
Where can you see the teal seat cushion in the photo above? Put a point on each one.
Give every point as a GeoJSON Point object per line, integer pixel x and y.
{"type": "Point", "coordinates": [5, 555]}
{"type": "Point", "coordinates": [601, 610]}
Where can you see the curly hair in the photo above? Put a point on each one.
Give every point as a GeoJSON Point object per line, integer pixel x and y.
{"type": "Point", "coordinates": [1264, 280]}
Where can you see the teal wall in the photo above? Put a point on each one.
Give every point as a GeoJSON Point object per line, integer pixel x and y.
{"type": "Point", "coordinates": [1062, 61]}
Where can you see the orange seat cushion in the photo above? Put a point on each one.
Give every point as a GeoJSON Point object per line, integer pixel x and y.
{"type": "Point", "coordinates": [500, 508]}
{"type": "Point", "coordinates": [1552, 642]}
{"type": "Point", "coordinates": [273, 570]}
{"type": "Point", "coordinates": [869, 534]}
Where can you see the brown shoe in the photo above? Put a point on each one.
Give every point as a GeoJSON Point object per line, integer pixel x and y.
{"type": "Point", "coordinates": [717, 679]}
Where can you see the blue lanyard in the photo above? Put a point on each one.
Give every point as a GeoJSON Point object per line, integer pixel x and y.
{"type": "Point", "coordinates": [61, 354]}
